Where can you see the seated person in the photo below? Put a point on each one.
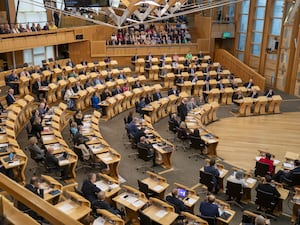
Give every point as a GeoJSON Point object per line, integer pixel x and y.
{"type": "Point", "coordinates": [238, 178]}
{"type": "Point", "coordinates": [269, 187]}
{"type": "Point", "coordinates": [260, 220]}
{"type": "Point", "coordinates": [10, 98]}
{"type": "Point", "coordinates": [36, 88]}
{"type": "Point", "coordinates": [249, 84]}
{"type": "Point", "coordinates": [77, 87]}
{"type": "Point", "coordinates": [89, 189]}
{"type": "Point", "coordinates": [254, 94]}
{"type": "Point", "coordinates": [78, 117]}
{"type": "Point", "coordinates": [137, 84]}
{"type": "Point", "coordinates": [182, 132]}
{"type": "Point", "coordinates": [140, 105]}
{"type": "Point", "coordinates": [68, 97]}
{"type": "Point", "coordinates": [213, 170]}
{"type": "Point", "coordinates": [138, 134]}
{"type": "Point", "coordinates": [146, 145]}
{"type": "Point", "coordinates": [173, 91]}
{"type": "Point", "coordinates": [36, 152]}
{"type": "Point", "coordinates": [42, 109]}
{"type": "Point", "coordinates": [37, 128]}
{"type": "Point", "coordinates": [80, 142]}
{"type": "Point", "coordinates": [176, 202]}
{"type": "Point", "coordinates": [117, 90]}
{"type": "Point", "coordinates": [53, 163]}
{"type": "Point", "coordinates": [132, 127]}
{"type": "Point", "coordinates": [174, 121]}
{"type": "Point", "coordinates": [208, 207]}
{"type": "Point", "coordinates": [95, 101]}
{"type": "Point", "coordinates": [101, 203]}
{"type": "Point", "coordinates": [157, 95]}
{"type": "Point", "coordinates": [269, 93]}
{"type": "Point", "coordinates": [191, 104]}
{"type": "Point", "coordinates": [267, 160]}
{"type": "Point", "coordinates": [281, 175]}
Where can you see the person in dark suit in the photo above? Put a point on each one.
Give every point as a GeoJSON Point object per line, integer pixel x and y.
{"type": "Point", "coordinates": [206, 87]}
{"type": "Point", "coordinates": [208, 207]}
{"type": "Point", "coordinates": [137, 84]}
{"type": "Point", "coordinates": [145, 145]}
{"type": "Point", "coordinates": [84, 62]}
{"type": "Point", "coordinates": [173, 91]}
{"type": "Point", "coordinates": [83, 71]}
{"type": "Point", "coordinates": [254, 94]}
{"type": "Point", "coordinates": [77, 87]}
{"type": "Point", "coordinates": [268, 187]}
{"type": "Point", "coordinates": [36, 128]}
{"type": "Point", "coordinates": [101, 203]}
{"type": "Point", "coordinates": [117, 90]}
{"type": "Point", "coordinates": [182, 109]}
{"type": "Point", "coordinates": [36, 88]}
{"type": "Point", "coordinates": [220, 85]}
{"type": "Point", "coordinates": [157, 95]}
{"type": "Point", "coordinates": [89, 189]}
{"type": "Point", "coordinates": [56, 65]}
{"type": "Point", "coordinates": [11, 78]}
{"type": "Point", "coordinates": [70, 63]}
{"type": "Point", "coordinates": [134, 59]}
{"type": "Point", "coordinates": [148, 57]}
{"type": "Point", "coordinates": [10, 98]}
{"type": "Point", "coordinates": [287, 174]}
{"type": "Point", "coordinates": [53, 163]}
{"type": "Point", "coordinates": [122, 75]}
{"type": "Point", "coordinates": [212, 169]}
{"type": "Point", "coordinates": [249, 84]}
{"type": "Point", "coordinates": [269, 93]}
{"type": "Point", "coordinates": [176, 202]}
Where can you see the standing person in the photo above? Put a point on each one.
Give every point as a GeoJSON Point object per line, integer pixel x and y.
{"type": "Point", "coordinates": [182, 109]}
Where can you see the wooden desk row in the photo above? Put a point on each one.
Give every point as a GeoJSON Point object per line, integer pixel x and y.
{"type": "Point", "coordinates": [260, 104]}
{"type": "Point", "coordinates": [198, 118]}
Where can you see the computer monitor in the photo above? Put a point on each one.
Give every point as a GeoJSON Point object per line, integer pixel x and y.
{"type": "Point", "coordinates": [182, 193]}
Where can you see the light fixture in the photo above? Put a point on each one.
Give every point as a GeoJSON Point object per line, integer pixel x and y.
{"type": "Point", "coordinates": [149, 2]}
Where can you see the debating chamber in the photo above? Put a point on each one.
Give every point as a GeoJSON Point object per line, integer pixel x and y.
{"type": "Point", "coordinates": [148, 112]}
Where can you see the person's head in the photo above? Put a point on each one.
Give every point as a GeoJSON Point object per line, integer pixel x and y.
{"type": "Point", "coordinates": [182, 125]}
{"type": "Point", "coordinates": [173, 116]}
{"type": "Point", "coordinates": [101, 195]}
{"type": "Point", "coordinates": [37, 120]}
{"type": "Point", "coordinates": [212, 162]}
{"type": "Point", "coordinates": [250, 81]}
{"type": "Point", "coordinates": [42, 105]}
{"type": "Point", "coordinates": [142, 139]}
{"type": "Point", "coordinates": [11, 91]}
{"type": "Point", "coordinates": [35, 181]}
{"type": "Point", "coordinates": [175, 192]}
{"type": "Point", "coordinates": [33, 140]}
{"type": "Point", "coordinates": [73, 125]}
{"type": "Point", "coordinates": [239, 175]}
{"type": "Point", "coordinates": [260, 220]}
{"type": "Point", "coordinates": [268, 178]}
{"type": "Point", "coordinates": [185, 101]}
{"type": "Point", "coordinates": [192, 99]}
{"type": "Point", "coordinates": [268, 155]}
{"type": "Point", "coordinates": [50, 150]}
{"type": "Point", "coordinates": [88, 220]}
{"type": "Point", "coordinates": [211, 198]}
{"type": "Point", "coordinates": [92, 177]}
{"type": "Point", "coordinates": [174, 88]}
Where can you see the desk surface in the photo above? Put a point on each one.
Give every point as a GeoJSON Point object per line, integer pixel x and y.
{"type": "Point", "coordinates": [130, 201]}
{"type": "Point", "coordinates": [160, 215]}
{"type": "Point", "coordinates": [250, 181]}
{"type": "Point", "coordinates": [155, 185]}
{"type": "Point", "coordinates": [73, 209]}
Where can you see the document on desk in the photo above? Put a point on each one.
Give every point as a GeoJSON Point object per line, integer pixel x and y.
{"type": "Point", "coordinates": [66, 207]}
{"type": "Point", "coordinates": [99, 221]}
{"type": "Point", "coordinates": [221, 172]}
{"type": "Point", "coordinates": [251, 180]}
{"type": "Point", "coordinates": [191, 201]}
{"type": "Point", "coordinates": [138, 203]}
{"type": "Point", "coordinates": [100, 184]}
{"type": "Point", "coordinates": [288, 165]}
{"type": "Point", "coordinates": [113, 185]}
{"type": "Point", "coordinates": [14, 163]}
{"type": "Point", "coordinates": [63, 162]}
{"type": "Point", "coordinates": [161, 213]}
{"type": "Point", "coordinates": [158, 187]}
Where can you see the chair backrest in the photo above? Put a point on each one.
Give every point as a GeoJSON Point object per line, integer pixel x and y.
{"type": "Point", "coordinates": [144, 152]}
{"type": "Point", "coordinates": [144, 219]}
{"type": "Point", "coordinates": [143, 187]}
{"type": "Point", "coordinates": [181, 133]}
{"type": "Point", "coordinates": [210, 220]}
{"type": "Point", "coordinates": [196, 142]}
{"type": "Point", "coordinates": [295, 177]}
{"type": "Point", "coordinates": [207, 180]}
{"type": "Point", "coordinates": [234, 190]}
{"type": "Point", "coordinates": [172, 126]}
{"type": "Point", "coordinates": [261, 169]}
{"type": "Point", "coordinates": [265, 199]}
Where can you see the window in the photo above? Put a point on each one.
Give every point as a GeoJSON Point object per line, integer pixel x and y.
{"type": "Point", "coordinates": [260, 13]}
{"type": "Point", "coordinates": [243, 23]}
{"type": "Point", "coordinates": [255, 50]}
{"type": "Point", "coordinates": [242, 41]}
{"type": "Point", "coordinates": [258, 25]}
{"type": "Point", "coordinates": [257, 37]}
{"type": "Point", "coordinates": [36, 55]}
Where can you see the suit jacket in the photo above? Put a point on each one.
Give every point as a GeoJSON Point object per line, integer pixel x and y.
{"type": "Point", "coordinates": [117, 91]}
{"type": "Point", "coordinates": [252, 95]}
{"type": "Point", "coordinates": [97, 204]}
{"type": "Point", "coordinates": [156, 96]}
{"type": "Point", "coordinates": [172, 92]}
{"type": "Point", "coordinates": [89, 190]}
{"type": "Point", "coordinates": [209, 209]}
{"type": "Point", "coordinates": [219, 86]}
{"type": "Point", "coordinates": [177, 203]}
{"type": "Point", "coordinates": [205, 88]}
{"type": "Point", "coordinates": [9, 99]}
{"type": "Point", "coordinates": [76, 89]}
{"type": "Point", "coordinates": [267, 94]}
{"type": "Point", "coordinates": [51, 160]}
{"type": "Point", "coordinates": [270, 188]}
{"type": "Point", "coordinates": [33, 189]}
{"type": "Point", "coordinates": [248, 85]}
{"type": "Point", "coordinates": [182, 111]}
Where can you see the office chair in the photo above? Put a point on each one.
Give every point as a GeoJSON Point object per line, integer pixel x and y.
{"type": "Point", "coordinates": [199, 144]}
{"type": "Point", "coordinates": [183, 138]}
{"type": "Point", "coordinates": [210, 220]}
{"type": "Point", "coordinates": [39, 162]}
{"type": "Point", "coordinates": [172, 128]}
{"type": "Point", "coordinates": [235, 191]}
{"type": "Point", "coordinates": [144, 219]}
{"type": "Point", "coordinates": [266, 202]}
{"type": "Point", "coordinates": [28, 131]}
{"type": "Point", "coordinates": [261, 169]}
{"type": "Point", "coordinates": [207, 180]}
{"type": "Point", "coordinates": [145, 189]}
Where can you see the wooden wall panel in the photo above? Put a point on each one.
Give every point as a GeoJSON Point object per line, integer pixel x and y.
{"type": "Point", "coordinates": [218, 29]}
{"type": "Point", "coordinates": [239, 68]}
{"type": "Point", "coordinates": [203, 28]}
{"type": "Point", "coordinates": [98, 48]}
{"type": "Point", "coordinates": [80, 51]}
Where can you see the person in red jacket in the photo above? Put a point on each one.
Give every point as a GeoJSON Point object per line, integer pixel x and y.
{"type": "Point", "coordinates": [267, 160]}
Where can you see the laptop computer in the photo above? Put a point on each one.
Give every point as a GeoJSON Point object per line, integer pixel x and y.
{"type": "Point", "coordinates": [182, 193]}
{"type": "Point", "coordinates": [223, 214]}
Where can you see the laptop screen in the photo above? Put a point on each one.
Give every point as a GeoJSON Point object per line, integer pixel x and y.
{"type": "Point", "coordinates": [182, 193]}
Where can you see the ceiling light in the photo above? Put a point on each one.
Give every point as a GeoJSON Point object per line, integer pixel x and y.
{"type": "Point", "coordinates": [149, 2]}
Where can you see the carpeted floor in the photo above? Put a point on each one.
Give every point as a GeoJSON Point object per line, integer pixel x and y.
{"type": "Point", "coordinates": [186, 170]}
